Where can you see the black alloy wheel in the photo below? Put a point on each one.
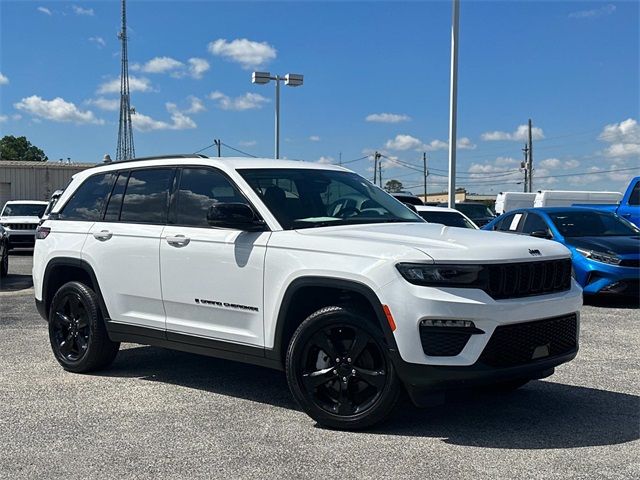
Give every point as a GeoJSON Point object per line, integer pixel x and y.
{"type": "Point", "coordinates": [70, 327]}
{"type": "Point", "coordinates": [339, 371]}
{"type": "Point", "coordinates": [77, 332]}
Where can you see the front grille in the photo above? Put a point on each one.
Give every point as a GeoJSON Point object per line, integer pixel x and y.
{"type": "Point", "coordinates": [21, 226]}
{"type": "Point", "coordinates": [518, 344]}
{"type": "Point", "coordinates": [441, 342]}
{"type": "Point", "coordinates": [630, 263]}
{"type": "Point", "coordinates": [515, 280]}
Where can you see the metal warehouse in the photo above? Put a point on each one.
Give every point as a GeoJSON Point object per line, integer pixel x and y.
{"type": "Point", "coordinates": [21, 180]}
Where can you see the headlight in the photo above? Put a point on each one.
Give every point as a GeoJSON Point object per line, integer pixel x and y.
{"type": "Point", "coordinates": [599, 256]}
{"type": "Point", "coordinates": [441, 275]}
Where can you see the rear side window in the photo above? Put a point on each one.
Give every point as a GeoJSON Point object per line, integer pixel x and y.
{"type": "Point", "coordinates": [199, 189]}
{"type": "Point", "coordinates": [146, 196]}
{"type": "Point", "coordinates": [534, 223]}
{"type": "Point", "coordinates": [87, 203]}
{"type": "Point", "coordinates": [510, 223]}
{"type": "Point", "coordinates": [115, 201]}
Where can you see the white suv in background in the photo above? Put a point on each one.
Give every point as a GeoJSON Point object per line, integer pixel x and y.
{"type": "Point", "coordinates": [20, 218]}
{"type": "Point", "coordinates": [302, 267]}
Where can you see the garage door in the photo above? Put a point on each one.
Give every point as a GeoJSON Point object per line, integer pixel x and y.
{"type": "Point", "coordinates": [5, 193]}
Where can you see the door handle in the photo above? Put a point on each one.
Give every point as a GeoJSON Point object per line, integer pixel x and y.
{"type": "Point", "coordinates": [178, 240]}
{"type": "Point", "coordinates": [102, 235]}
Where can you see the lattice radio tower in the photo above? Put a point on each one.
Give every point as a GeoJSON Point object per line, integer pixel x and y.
{"type": "Point", "coordinates": [125, 150]}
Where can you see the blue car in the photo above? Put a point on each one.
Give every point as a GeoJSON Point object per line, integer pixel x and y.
{"type": "Point", "coordinates": [605, 248]}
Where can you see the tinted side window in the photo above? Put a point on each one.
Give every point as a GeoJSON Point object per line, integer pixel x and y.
{"type": "Point", "coordinates": [88, 201]}
{"type": "Point", "coordinates": [199, 189]}
{"type": "Point", "coordinates": [115, 201]}
{"type": "Point", "coordinates": [634, 198]}
{"type": "Point", "coordinates": [146, 195]}
{"type": "Point", "coordinates": [510, 223]}
{"type": "Point", "coordinates": [534, 223]}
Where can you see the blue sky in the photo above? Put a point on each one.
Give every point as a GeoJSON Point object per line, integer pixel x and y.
{"type": "Point", "coordinates": [376, 78]}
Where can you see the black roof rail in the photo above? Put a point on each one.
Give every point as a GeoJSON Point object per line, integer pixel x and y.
{"type": "Point", "coordinates": [162, 157]}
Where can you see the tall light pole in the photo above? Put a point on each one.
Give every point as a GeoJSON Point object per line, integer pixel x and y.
{"type": "Point", "coordinates": [291, 80]}
{"type": "Point", "coordinates": [453, 103]}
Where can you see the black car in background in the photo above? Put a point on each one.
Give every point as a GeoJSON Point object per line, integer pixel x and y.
{"type": "Point", "coordinates": [478, 212]}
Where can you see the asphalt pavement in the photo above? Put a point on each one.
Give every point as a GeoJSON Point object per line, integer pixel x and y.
{"type": "Point", "coordinates": [162, 414]}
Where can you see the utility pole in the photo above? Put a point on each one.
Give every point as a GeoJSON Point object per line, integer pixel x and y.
{"type": "Point", "coordinates": [218, 144]}
{"type": "Point", "coordinates": [530, 159]}
{"type": "Point", "coordinates": [376, 159]}
{"type": "Point", "coordinates": [380, 173]}
{"type": "Point", "coordinates": [524, 166]}
{"type": "Point", "coordinates": [426, 174]}
{"type": "Point", "coordinates": [339, 158]}
{"type": "Point", "coordinates": [453, 102]}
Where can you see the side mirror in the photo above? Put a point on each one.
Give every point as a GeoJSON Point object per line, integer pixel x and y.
{"type": "Point", "coordinates": [233, 215]}
{"type": "Point", "coordinates": [541, 234]}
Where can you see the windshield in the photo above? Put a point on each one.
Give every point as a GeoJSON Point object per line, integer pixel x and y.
{"type": "Point", "coordinates": [306, 198]}
{"type": "Point", "coordinates": [474, 210]}
{"type": "Point", "coordinates": [450, 219]}
{"type": "Point", "coordinates": [23, 210]}
{"type": "Point", "coordinates": [591, 224]}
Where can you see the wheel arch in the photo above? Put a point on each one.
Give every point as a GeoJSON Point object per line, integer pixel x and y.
{"type": "Point", "coordinates": [318, 292]}
{"type": "Point", "coordinates": [61, 270]}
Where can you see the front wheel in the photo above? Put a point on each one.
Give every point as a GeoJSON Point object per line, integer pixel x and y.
{"type": "Point", "coordinates": [339, 371]}
{"type": "Point", "coordinates": [77, 333]}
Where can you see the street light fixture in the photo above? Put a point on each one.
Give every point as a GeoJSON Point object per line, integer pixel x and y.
{"type": "Point", "coordinates": [291, 80]}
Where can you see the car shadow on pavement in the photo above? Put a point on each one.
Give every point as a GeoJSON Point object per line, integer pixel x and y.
{"type": "Point", "coordinates": [612, 302]}
{"type": "Point", "coordinates": [542, 414]}
{"type": "Point", "coordinates": [15, 282]}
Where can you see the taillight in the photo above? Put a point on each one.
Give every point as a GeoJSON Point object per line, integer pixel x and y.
{"type": "Point", "coordinates": [42, 232]}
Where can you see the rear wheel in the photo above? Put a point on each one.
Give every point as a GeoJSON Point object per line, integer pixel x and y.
{"type": "Point", "coordinates": [77, 333]}
{"type": "Point", "coordinates": [339, 371]}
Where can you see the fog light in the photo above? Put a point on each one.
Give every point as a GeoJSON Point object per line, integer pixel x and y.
{"type": "Point", "coordinates": [447, 323]}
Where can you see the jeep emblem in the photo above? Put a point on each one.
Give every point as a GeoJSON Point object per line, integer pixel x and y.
{"type": "Point", "coordinates": [535, 252]}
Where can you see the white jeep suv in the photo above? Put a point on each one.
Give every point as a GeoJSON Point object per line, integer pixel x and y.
{"type": "Point", "coordinates": [301, 267]}
{"type": "Point", "coordinates": [20, 218]}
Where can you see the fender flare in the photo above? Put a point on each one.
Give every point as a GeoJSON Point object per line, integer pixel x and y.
{"type": "Point", "coordinates": [330, 282]}
{"type": "Point", "coordinates": [69, 262]}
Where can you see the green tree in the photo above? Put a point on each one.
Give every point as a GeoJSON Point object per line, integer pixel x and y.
{"type": "Point", "coordinates": [19, 148]}
{"type": "Point", "coordinates": [393, 186]}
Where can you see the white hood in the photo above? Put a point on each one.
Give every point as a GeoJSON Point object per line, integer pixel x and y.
{"type": "Point", "coordinates": [34, 220]}
{"type": "Point", "coordinates": [441, 243]}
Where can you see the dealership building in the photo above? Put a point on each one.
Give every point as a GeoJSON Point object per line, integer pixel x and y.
{"type": "Point", "coordinates": [20, 180]}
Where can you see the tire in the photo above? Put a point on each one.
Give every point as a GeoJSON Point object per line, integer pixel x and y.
{"type": "Point", "coordinates": [339, 371]}
{"type": "Point", "coordinates": [77, 333]}
{"type": "Point", "coordinates": [4, 262]}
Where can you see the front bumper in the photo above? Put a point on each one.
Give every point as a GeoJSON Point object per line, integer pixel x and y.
{"type": "Point", "coordinates": [601, 278]}
{"type": "Point", "coordinates": [21, 238]}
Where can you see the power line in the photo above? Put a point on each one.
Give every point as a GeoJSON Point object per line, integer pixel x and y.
{"type": "Point", "coordinates": [239, 151]}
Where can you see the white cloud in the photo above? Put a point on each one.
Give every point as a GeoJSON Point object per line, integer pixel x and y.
{"type": "Point", "coordinates": [3, 118]}
{"type": "Point", "coordinates": [436, 145]}
{"type": "Point", "coordinates": [248, 101]}
{"type": "Point", "coordinates": [595, 12]}
{"type": "Point", "coordinates": [387, 117]}
{"type": "Point", "coordinates": [88, 12]}
{"type": "Point", "coordinates": [404, 142]}
{"type": "Point", "coordinates": [110, 104]}
{"type": "Point", "coordinates": [160, 65]}
{"type": "Point", "coordinates": [623, 139]}
{"type": "Point", "coordinates": [3, 80]}
{"type": "Point", "coordinates": [99, 41]}
{"type": "Point", "coordinates": [57, 110]}
{"type": "Point", "coordinates": [136, 84]}
{"type": "Point", "coordinates": [314, 138]}
{"type": "Point", "coordinates": [465, 143]}
{"type": "Point", "coordinates": [247, 53]}
{"type": "Point", "coordinates": [179, 121]}
{"type": "Point", "coordinates": [325, 160]}
{"type": "Point", "coordinates": [572, 163]}
{"type": "Point", "coordinates": [521, 134]}
{"type": "Point", "coordinates": [197, 67]}
{"type": "Point", "coordinates": [44, 10]}
{"type": "Point", "coordinates": [247, 143]}
{"type": "Point", "coordinates": [195, 105]}
{"type": "Point", "coordinates": [550, 163]}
